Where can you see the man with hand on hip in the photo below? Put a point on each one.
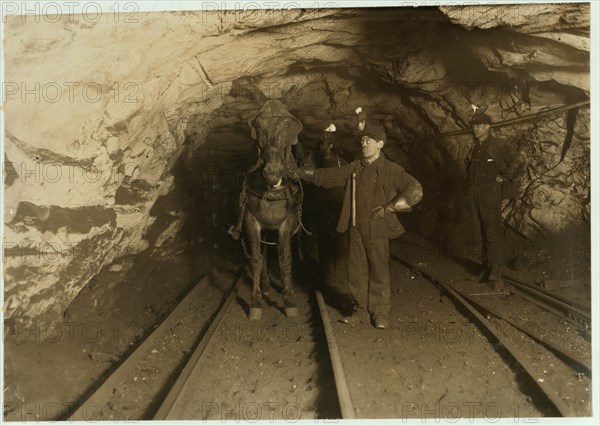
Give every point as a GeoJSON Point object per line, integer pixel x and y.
{"type": "Point", "coordinates": [492, 167]}
{"type": "Point", "coordinates": [381, 189]}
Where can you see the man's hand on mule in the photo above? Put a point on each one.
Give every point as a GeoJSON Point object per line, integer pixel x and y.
{"type": "Point", "coordinates": [292, 172]}
{"type": "Point", "coordinates": [300, 173]}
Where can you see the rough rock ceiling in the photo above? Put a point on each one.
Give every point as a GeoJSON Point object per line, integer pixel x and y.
{"type": "Point", "coordinates": [120, 103]}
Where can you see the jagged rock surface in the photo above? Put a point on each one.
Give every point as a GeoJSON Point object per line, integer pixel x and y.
{"type": "Point", "coordinates": [120, 103]}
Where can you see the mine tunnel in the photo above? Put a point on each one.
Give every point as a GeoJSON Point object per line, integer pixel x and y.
{"type": "Point", "coordinates": [127, 143]}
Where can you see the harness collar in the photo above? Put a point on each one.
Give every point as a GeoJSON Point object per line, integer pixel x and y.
{"type": "Point", "coordinates": [283, 192]}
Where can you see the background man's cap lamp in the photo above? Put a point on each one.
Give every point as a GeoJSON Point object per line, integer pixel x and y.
{"type": "Point", "coordinates": [481, 118]}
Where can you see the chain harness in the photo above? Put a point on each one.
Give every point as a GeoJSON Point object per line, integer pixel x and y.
{"type": "Point", "coordinates": [287, 193]}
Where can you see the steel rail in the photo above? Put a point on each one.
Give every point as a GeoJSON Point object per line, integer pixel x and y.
{"type": "Point", "coordinates": [168, 403]}
{"type": "Point", "coordinates": [339, 376]}
{"type": "Point", "coordinates": [551, 392]}
{"type": "Point", "coordinates": [538, 289]}
{"type": "Point", "coordinates": [558, 305]}
{"type": "Point", "coordinates": [345, 402]}
{"type": "Point", "coordinates": [553, 303]}
{"type": "Point", "coordinates": [554, 347]}
{"type": "Point", "coordinates": [341, 385]}
{"type": "Point", "coordinates": [103, 391]}
{"type": "Point", "coordinates": [583, 328]}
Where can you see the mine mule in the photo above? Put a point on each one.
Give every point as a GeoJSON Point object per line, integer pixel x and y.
{"type": "Point", "coordinates": [269, 201]}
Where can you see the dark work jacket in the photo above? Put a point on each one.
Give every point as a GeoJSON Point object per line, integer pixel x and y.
{"type": "Point", "coordinates": [502, 159]}
{"type": "Point", "coordinates": [392, 180]}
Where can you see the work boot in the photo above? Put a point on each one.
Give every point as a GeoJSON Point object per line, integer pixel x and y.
{"type": "Point", "coordinates": [484, 274]}
{"type": "Point", "coordinates": [495, 278]}
{"type": "Point", "coordinates": [495, 272]}
{"type": "Point", "coordinates": [354, 319]}
{"type": "Point", "coordinates": [497, 284]}
{"type": "Point", "coordinates": [381, 323]}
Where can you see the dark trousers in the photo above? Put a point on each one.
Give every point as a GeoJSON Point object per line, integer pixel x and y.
{"type": "Point", "coordinates": [369, 274]}
{"type": "Point", "coordinates": [486, 200]}
{"type": "Point", "coordinates": [333, 257]}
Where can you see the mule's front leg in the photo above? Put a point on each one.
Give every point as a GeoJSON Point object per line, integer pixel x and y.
{"type": "Point", "coordinates": [265, 284]}
{"type": "Point", "coordinates": [256, 265]}
{"type": "Point", "coordinates": [285, 268]}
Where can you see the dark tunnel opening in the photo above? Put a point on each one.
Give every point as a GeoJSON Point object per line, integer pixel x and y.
{"type": "Point", "coordinates": [419, 81]}
{"type": "Point", "coordinates": [138, 241]}
{"type": "Point", "coordinates": [214, 169]}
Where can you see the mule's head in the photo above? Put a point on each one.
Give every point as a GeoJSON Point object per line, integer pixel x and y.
{"type": "Point", "coordinates": [274, 126]}
{"type": "Point", "coordinates": [280, 130]}
{"type": "Point", "coordinates": [273, 169]}
{"type": "Point", "coordinates": [275, 130]}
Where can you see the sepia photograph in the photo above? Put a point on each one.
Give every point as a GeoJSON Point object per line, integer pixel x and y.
{"type": "Point", "coordinates": [298, 212]}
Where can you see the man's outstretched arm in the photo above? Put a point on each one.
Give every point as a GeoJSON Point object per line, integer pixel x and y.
{"type": "Point", "coordinates": [327, 177]}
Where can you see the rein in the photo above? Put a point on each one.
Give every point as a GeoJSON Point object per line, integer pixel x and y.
{"type": "Point", "coordinates": [300, 224]}
{"type": "Point", "coordinates": [269, 195]}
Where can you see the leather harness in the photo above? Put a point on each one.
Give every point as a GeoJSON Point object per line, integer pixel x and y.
{"type": "Point", "coordinates": [274, 195]}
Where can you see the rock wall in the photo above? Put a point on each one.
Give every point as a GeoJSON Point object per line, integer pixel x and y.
{"type": "Point", "coordinates": [98, 114]}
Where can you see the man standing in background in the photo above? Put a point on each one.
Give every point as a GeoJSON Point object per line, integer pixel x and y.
{"type": "Point", "coordinates": [492, 167]}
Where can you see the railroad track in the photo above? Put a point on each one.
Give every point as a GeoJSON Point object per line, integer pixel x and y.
{"type": "Point", "coordinates": [518, 339]}
{"type": "Point", "coordinates": [252, 404]}
{"type": "Point", "coordinates": [230, 332]}
{"type": "Point", "coordinates": [223, 357]}
{"type": "Point", "coordinates": [566, 309]}
{"type": "Point", "coordinates": [562, 307]}
{"type": "Point", "coordinates": [97, 404]}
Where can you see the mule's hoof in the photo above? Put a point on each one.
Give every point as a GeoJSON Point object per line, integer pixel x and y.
{"type": "Point", "coordinates": [255, 314]}
{"type": "Point", "coordinates": [291, 312]}
{"type": "Point", "coordinates": [234, 232]}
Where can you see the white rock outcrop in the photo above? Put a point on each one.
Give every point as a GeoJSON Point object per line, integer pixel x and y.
{"type": "Point", "coordinates": [97, 114]}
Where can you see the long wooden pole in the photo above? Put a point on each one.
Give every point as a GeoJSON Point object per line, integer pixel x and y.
{"type": "Point", "coordinates": [503, 123]}
{"type": "Point", "coordinates": [353, 212]}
